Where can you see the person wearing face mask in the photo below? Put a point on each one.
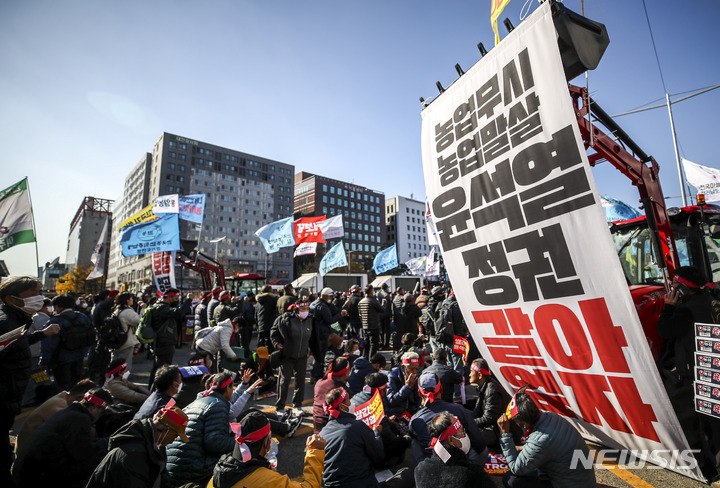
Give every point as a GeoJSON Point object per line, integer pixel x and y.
{"type": "Point", "coordinates": [449, 466]}
{"type": "Point", "coordinates": [335, 349]}
{"type": "Point", "coordinates": [165, 315]}
{"type": "Point", "coordinates": [360, 368]}
{"type": "Point", "coordinates": [136, 456]}
{"type": "Point", "coordinates": [39, 321]}
{"type": "Point", "coordinates": [167, 384]}
{"type": "Point", "coordinates": [122, 390]}
{"type": "Point", "coordinates": [291, 334]}
{"type": "Point", "coordinates": [248, 464]}
{"type": "Point", "coordinates": [20, 299]}
{"type": "Point", "coordinates": [64, 450]}
{"type": "Point", "coordinates": [545, 459]}
{"type": "Point", "coordinates": [430, 390]}
{"type": "Point", "coordinates": [325, 314]}
{"type": "Point", "coordinates": [337, 375]}
{"type": "Point", "coordinates": [352, 448]}
{"type": "Point", "coordinates": [65, 353]}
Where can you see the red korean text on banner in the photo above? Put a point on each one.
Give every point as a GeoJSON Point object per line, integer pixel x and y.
{"type": "Point", "coordinates": [461, 346]}
{"type": "Point", "coordinates": [307, 230]}
{"type": "Point", "coordinates": [372, 411]}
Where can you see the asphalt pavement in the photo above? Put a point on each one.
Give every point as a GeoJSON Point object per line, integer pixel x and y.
{"type": "Point", "coordinates": [291, 451]}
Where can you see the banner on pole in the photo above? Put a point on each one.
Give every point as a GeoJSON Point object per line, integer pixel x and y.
{"type": "Point", "coordinates": [705, 179]}
{"type": "Point", "coordinates": [461, 346]}
{"type": "Point", "coordinates": [385, 260]}
{"type": "Point", "coordinates": [99, 253]}
{"type": "Point", "coordinates": [166, 204]}
{"type": "Point", "coordinates": [159, 235]}
{"type": "Point", "coordinates": [144, 215]}
{"type": "Point", "coordinates": [192, 208]}
{"type": "Point", "coordinates": [305, 248]}
{"type": "Point", "coordinates": [528, 252]}
{"type": "Point", "coordinates": [308, 230]}
{"type": "Point", "coordinates": [163, 268]}
{"type": "Point", "coordinates": [334, 258]}
{"type": "Point", "coordinates": [276, 235]}
{"type": "Point", "coordinates": [332, 228]}
{"type": "Point", "coordinates": [16, 225]}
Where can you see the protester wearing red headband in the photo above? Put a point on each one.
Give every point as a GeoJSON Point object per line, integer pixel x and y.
{"type": "Point", "coordinates": [122, 390]}
{"type": "Point", "coordinates": [402, 391]}
{"type": "Point", "coordinates": [247, 465]}
{"type": "Point", "coordinates": [491, 402]}
{"type": "Point", "coordinates": [449, 466]}
{"type": "Point", "coordinates": [337, 375]}
{"type": "Point", "coordinates": [166, 318]}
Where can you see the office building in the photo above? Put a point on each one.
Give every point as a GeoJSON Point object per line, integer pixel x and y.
{"type": "Point", "coordinates": [405, 221]}
{"type": "Point", "coordinates": [85, 231]}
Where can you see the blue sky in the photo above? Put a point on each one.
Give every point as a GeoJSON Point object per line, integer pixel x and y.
{"type": "Point", "coordinates": [331, 87]}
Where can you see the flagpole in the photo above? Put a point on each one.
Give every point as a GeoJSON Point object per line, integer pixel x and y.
{"type": "Point", "coordinates": [32, 214]}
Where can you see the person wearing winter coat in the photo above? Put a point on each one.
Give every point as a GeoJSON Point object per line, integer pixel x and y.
{"type": "Point", "coordinates": [546, 458]}
{"type": "Point", "coordinates": [167, 384]}
{"type": "Point", "coordinates": [336, 377]}
{"type": "Point", "coordinates": [218, 339]}
{"type": "Point", "coordinates": [224, 311]}
{"type": "Point", "coordinates": [129, 320]}
{"type": "Point", "coordinates": [449, 466]}
{"type": "Point", "coordinates": [324, 315]}
{"type": "Point", "coordinates": [402, 392]}
{"type": "Point", "coordinates": [247, 466]}
{"type": "Point", "coordinates": [266, 313]}
{"type": "Point", "coordinates": [164, 317]}
{"type": "Point", "coordinates": [370, 312]}
{"type": "Point", "coordinates": [64, 450]}
{"type": "Point", "coordinates": [359, 370]}
{"type": "Point", "coordinates": [136, 457]}
{"type": "Point", "coordinates": [201, 316]}
{"type": "Point", "coordinates": [449, 378]}
{"type": "Point", "coordinates": [122, 390]}
{"type": "Point", "coordinates": [208, 432]}
{"type": "Point", "coordinates": [491, 402]}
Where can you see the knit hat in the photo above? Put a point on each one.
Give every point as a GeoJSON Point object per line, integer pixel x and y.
{"type": "Point", "coordinates": [253, 427]}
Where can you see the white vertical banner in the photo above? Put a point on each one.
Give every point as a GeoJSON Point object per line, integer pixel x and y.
{"type": "Point", "coordinates": [527, 249]}
{"type": "Point", "coordinates": [163, 267]}
{"type": "Point", "coordinates": [704, 178]}
{"type": "Point", "coordinates": [99, 253]}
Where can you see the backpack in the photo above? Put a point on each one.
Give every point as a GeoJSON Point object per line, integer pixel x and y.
{"type": "Point", "coordinates": [444, 329]}
{"type": "Point", "coordinates": [111, 332]}
{"type": "Point", "coordinates": [78, 335]}
{"type": "Point", "coordinates": [145, 332]}
{"type": "Point", "coordinates": [427, 321]}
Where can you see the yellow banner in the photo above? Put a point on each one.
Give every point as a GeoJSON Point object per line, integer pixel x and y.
{"type": "Point", "coordinates": [144, 215]}
{"type": "Point", "coordinates": [496, 8]}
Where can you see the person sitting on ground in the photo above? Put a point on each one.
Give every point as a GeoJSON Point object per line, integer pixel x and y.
{"type": "Point", "coordinates": [209, 435]}
{"type": "Point", "coordinates": [491, 402]}
{"type": "Point", "coordinates": [167, 384]}
{"type": "Point", "coordinates": [409, 343]}
{"type": "Point", "coordinates": [137, 455]}
{"type": "Point", "coordinates": [336, 376]}
{"type": "Point", "coordinates": [359, 370]}
{"type": "Point", "coordinates": [402, 390]}
{"type": "Point", "coordinates": [50, 407]}
{"type": "Point", "coordinates": [394, 442]}
{"type": "Point", "coordinates": [449, 378]}
{"type": "Point", "coordinates": [64, 451]}
{"type": "Point", "coordinates": [193, 379]}
{"type": "Point", "coordinates": [546, 458]}
{"type": "Point", "coordinates": [247, 465]}
{"type": "Point", "coordinates": [260, 366]}
{"type": "Point", "coordinates": [120, 388]}
{"type": "Point", "coordinates": [353, 448]}
{"type": "Point", "coordinates": [351, 351]}
{"type": "Point", "coordinates": [449, 466]}
{"type": "Point", "coordinates": [335, 349]}
{"type": "Point", "coordinates": [430, 390]}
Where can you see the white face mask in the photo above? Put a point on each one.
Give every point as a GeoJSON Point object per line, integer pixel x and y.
{"type": "Point", "coordinates": [32, 305]}
{"type": "Point", "coordinates": [303, 315]}
{"type": "Point", "coordinates": [126, 375]}
{"type": "Point", "coordinates": [356, 352]}
{"type": "Point", "coordinates": [464, 444]}
{"type": "Point", "coordinates": [50, 309]}
{"type": "Point", "coordinates": [77, 302]}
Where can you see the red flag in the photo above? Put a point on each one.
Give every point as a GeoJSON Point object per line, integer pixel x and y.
{"type": "Point", "coordinates": [307, 230]}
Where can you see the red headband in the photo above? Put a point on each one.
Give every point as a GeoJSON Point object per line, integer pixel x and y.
{"type": "Point", "coordinates": [430, 395]}
{"type": "Point", "coordinates": [172, 415]}
{"type": "Point", "coordinates": [171, 294]}
{"type": "Point", "coordinates": [95, 400]}
{"type": "Point", "coordinates": [338, 373]}
{"type": "Point", "coordinates": [687, 283]}
{"type": "Point", "coordinates": [480, 370]}
{"type": "Point", "coordinates": [258, 435]}
{"type": "Point", "coordinates": [214, 386]}
{"type": "Point", "coordinates": [195, 362]}
{"type": "Point", "coordinates": [332, 409]}
{"type": "Point", "coordinates": [450, 431]}
{"type": "Point", "coordinates": [411, 361]}
{"type": "Point", "coordinates": [111, 374]}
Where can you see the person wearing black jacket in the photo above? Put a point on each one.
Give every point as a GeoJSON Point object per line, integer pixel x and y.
{"type": "Point", "coordinates": [265, 313]}
{"type": "Point", "coordinates": [165, 315]}
{"type": "Point", "coordinates": [370, 311]}
{"type": "Point", "coordinates": [64, 451]}
{"type": "Point", "coordinates": [491, 403]}
{"type": "Point", "coordinates": [20, 298]}
{"type": "Point", "coordinates": [449, 378]}
{"type": "Point", "coordinates": [324, 315]}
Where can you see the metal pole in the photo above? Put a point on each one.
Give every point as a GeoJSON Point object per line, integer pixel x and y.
{"type": "Point", "coordinates": [677, 154]}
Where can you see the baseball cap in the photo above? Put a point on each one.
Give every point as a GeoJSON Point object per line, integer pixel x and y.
{"type": "Point", "coordinates": [262, 352]}
{"type": "Point", "coordinates": [326, 291]}
{"type": "Point", "coordinates": [428, 380]}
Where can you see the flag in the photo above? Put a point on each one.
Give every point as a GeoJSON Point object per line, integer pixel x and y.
{"type": "Point", "coordinates": [163, 268]}
{"type": "Point", "coordinates": [144, 215]}
{"type": "Point", "coordinates": [416, 266]}
{"type": "Point", "coordinates": [385, 260]}
{"type": "Point", "coordinates": [616, 210]}
{"type": "Point", "coordinates": [305, 248]}
{"type": "Point", "coordinates": [165, 204]}
{"type": "Point", "coordinates": [430, 260]}
{"type": "Point", "coordinates": [276, 235]}
{"type": "Point", "coordinates": [16, 222]}
{"type": "Point", "coordinates": [461, 346]}
{"type": "Point", "coordinates": [158, 235]}
{"type": "Point", "coordinates": [511, 409]}
{"type": "Point", "coordinates": [706, 180]}
{"type": "Point", "coordinates": [430, 224]}
{"type": "Point", "coordinates": [332, 228]}
{"type": "Point", "coordinates": [334, 258]}
{"type": "Point", "coordinates": [98, 256]}
{"type": "Point", "coordinates": [192, 208]}
{"type": "Point", "coordinates": [496, 8]}
{"type": "Point", "coordinates": [307, 230]}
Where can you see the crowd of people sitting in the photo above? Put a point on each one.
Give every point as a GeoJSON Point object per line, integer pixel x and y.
{"type": "Point", "coordinates": [197, 424]}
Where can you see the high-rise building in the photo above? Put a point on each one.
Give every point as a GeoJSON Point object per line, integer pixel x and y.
{"type": "Point", "coordinates": [362, 210]}
{"type": "Point", "coordinates": [243, 193]}
{"type": "Point", "coordinates": [405, 220]}
{"type": "Point", "coordinates": [85, 230]}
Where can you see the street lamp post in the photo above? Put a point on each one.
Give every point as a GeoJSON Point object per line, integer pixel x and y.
{"type": "Point", "coordinates": [216, 241]}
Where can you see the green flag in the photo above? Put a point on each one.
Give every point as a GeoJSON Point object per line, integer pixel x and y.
{"type": "Point", "coordinates": [16, 225]}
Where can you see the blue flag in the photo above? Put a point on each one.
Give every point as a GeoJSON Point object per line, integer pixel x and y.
{"type": "Point", "coordinates": [192, 207]}
{"type": "Point", "coordinates": [159, 235]}
{"type": "Point", "coordinates": [277, 234]}
{"type": "Point", "coordinates": [334, 258]}
{"type": "Point", "coordinates": [385, 260]}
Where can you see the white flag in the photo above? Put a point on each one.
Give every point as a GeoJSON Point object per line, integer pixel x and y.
{"type": "Point", "coordinates": [706, 180]}
{"type": "Point", "coordinates": [166, 204]}
{"type": "Point", "coordinates": [332, 228]}
{"type": "Point", "coordinates": [430, 224]}
{"type": "Point", "coordinates": [98, 256]}
{"type": "Point", "coordinates": [416, 266]}
{"type": "Point", "coordinates": [305, 248]}
{"type": "Point", "coordinates": [430, 260]}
